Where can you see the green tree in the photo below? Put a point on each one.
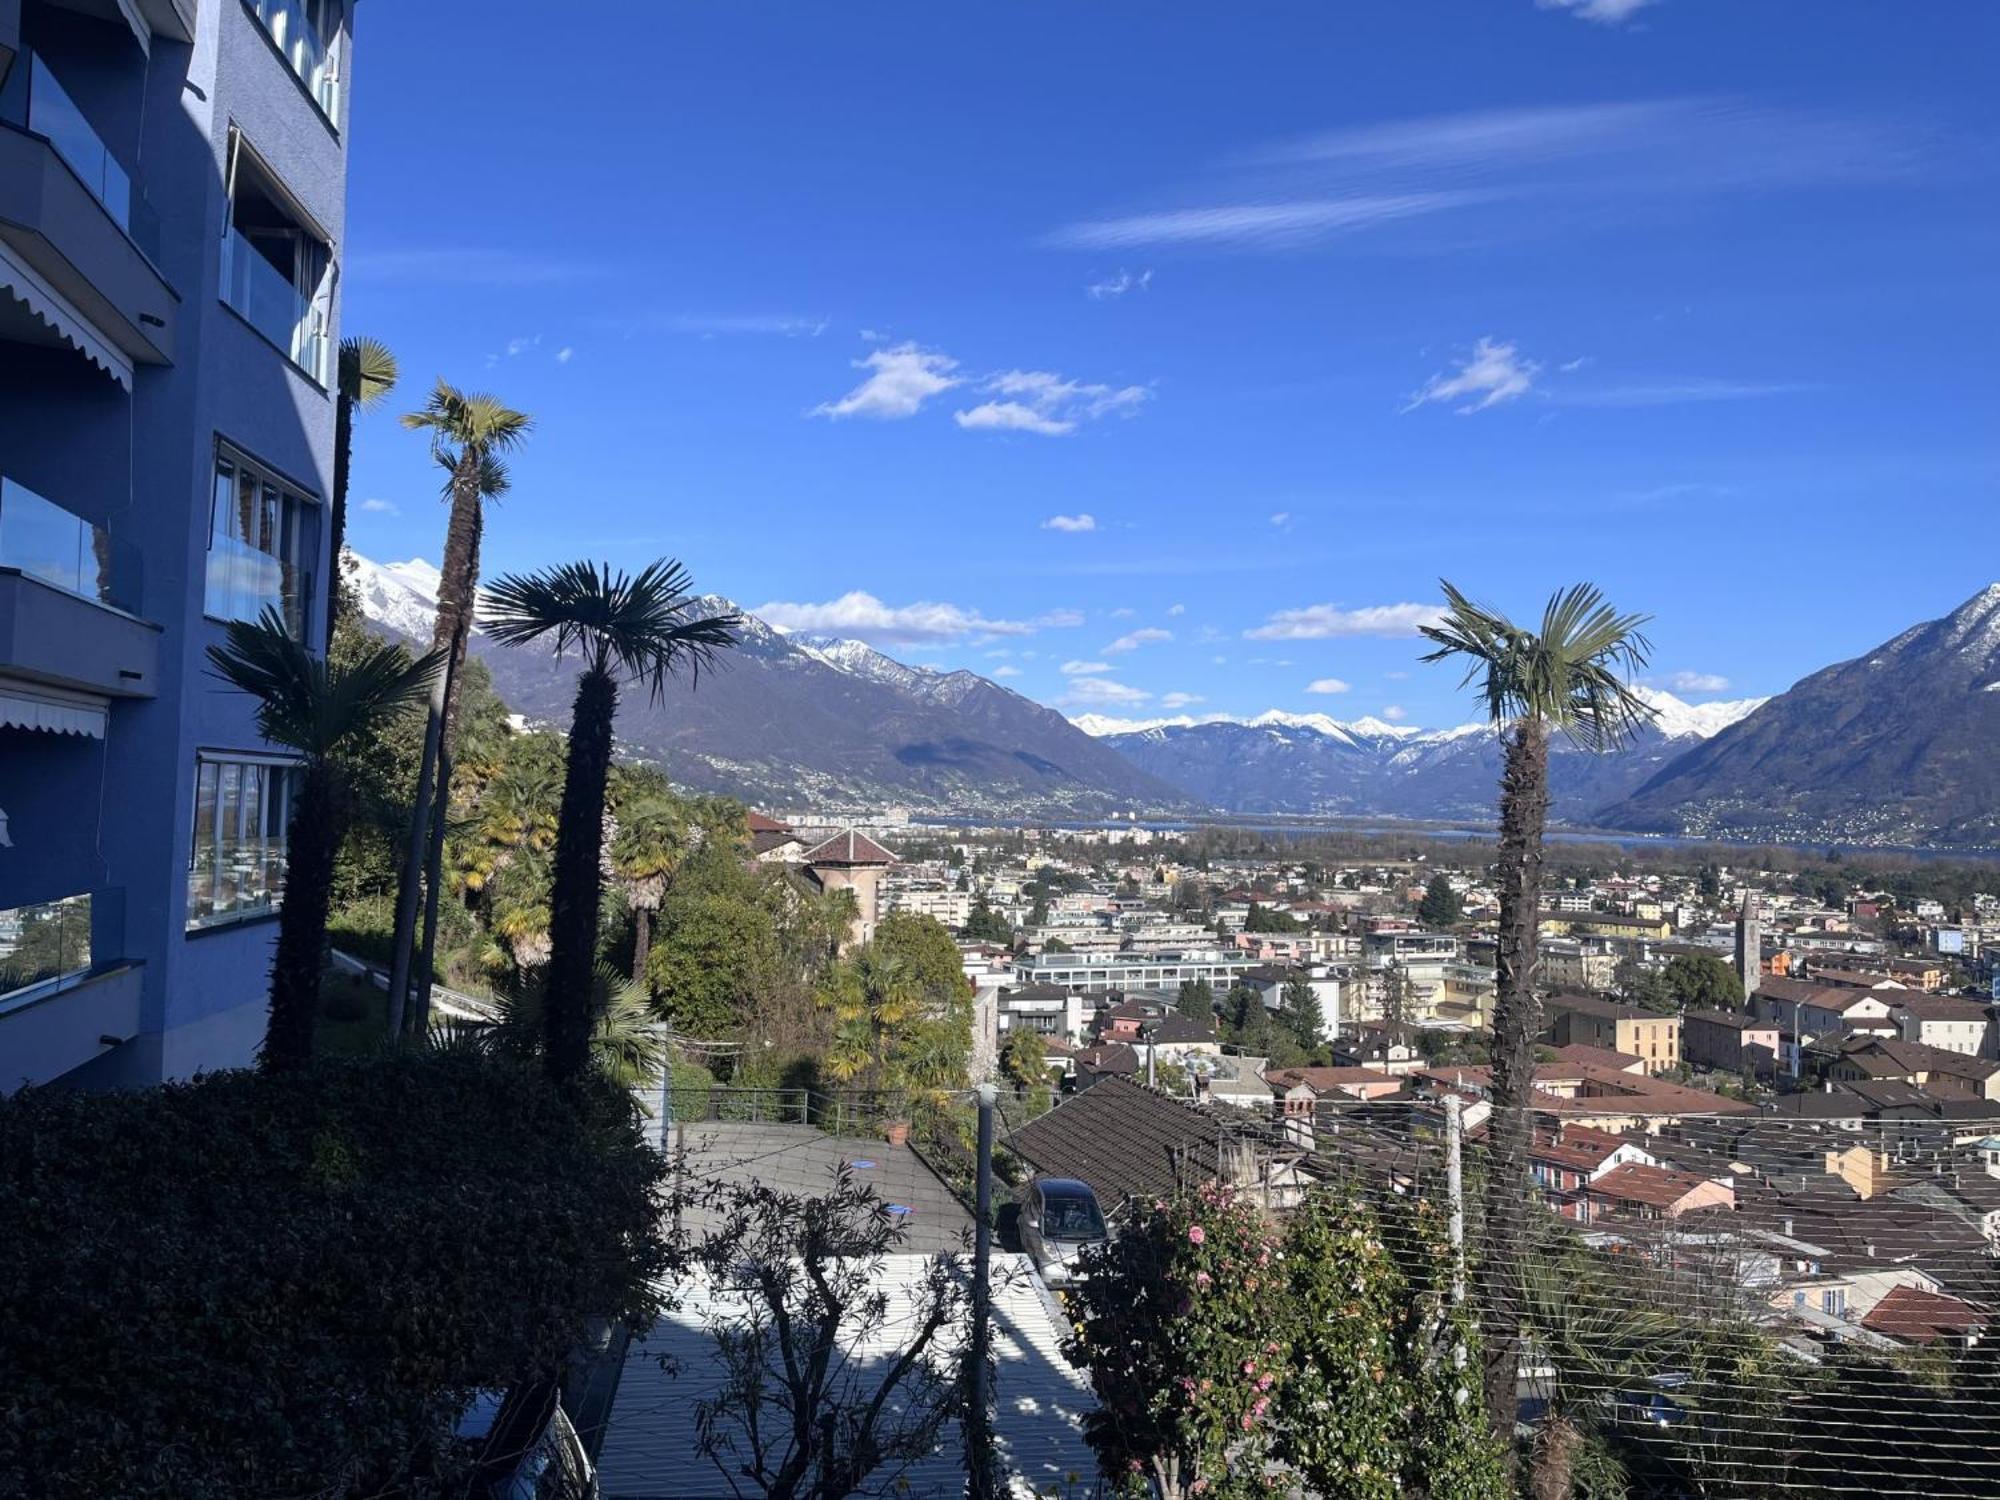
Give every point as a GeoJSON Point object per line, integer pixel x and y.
{"type": "Point", "coordinates": [1299, 1009]}
{"type": "Point", "coordinates": [655, 835]}
{"type": "Point", "coordinates": [902, 1011]}
{"type": "Point", "coordinates": [641, 628]}
{"type": "Point", "coordinates": [1708, 885]}
{"type": "Point", "coordinates": [715, 952]}
{"type": "Point", "coordinates": [1262, 919]}
{"type": "Point", "coordinates": [1645, 987]}
{"type": "Point", "coordinates": [1024, 1059]}
{"type": "Point", "coordinates": [986, 925]}
{"type": "Point", "coordinates": [1440, 907]}
{"type": "Point", "coordinates": [1701, 982]}
{"type": "Point", "coordinates": [1197, 1001]}
{"type": "Point", "coordinates": [316, 710]}
{"type": "Point", "coordinates": [1563, 678]}
{"type": "Point", "coordinates": [367, 374]}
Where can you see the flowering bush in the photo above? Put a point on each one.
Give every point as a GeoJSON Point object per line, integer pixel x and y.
{"type": "Point", "coordinates": [1175, 1323]}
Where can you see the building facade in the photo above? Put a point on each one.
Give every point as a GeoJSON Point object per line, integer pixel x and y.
{"type": "Point", "coordinates": [172, 217]}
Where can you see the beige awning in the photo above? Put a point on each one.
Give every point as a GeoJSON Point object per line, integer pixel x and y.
{"type": "Point", "coordinates": [21, 282]}
{"type": "Point", "coordinates": [57, 712]}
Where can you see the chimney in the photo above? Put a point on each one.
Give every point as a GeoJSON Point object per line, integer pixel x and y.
{"type": "Point", "coordinates": [1788, 1229]}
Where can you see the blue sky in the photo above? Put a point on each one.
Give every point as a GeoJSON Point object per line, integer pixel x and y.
{"type": "Point", "coordinates": [1162, 358]}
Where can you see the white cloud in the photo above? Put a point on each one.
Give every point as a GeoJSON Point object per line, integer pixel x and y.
{"type": "Point", "coordinates": [1604, 12]}
{"type": "Point", "coordinates": [1395, 713]}
{"type": "Point", "coordinates": [1099, 692]}
{"type": "Point", "coordinates": [1327, 685]}
{"type": "Point", "coordinates": [1324, 621]}
{"type": "Point", "coordinates": [381, 507]}
{"type": "Point", "coordinates": [1123, 612]}
{"type": "Point", "coordinates": [1180, 700]}
{"type": "Point", "coordinates": [1253, 225]}
{"type": "Point", "coordinates": [1176, 610]}
{"type": "Point", "coordinates": [1046, 403]}
{"type": "Point", "coordinates": [1084, 668]}
{"type": "Point", "coordinates": [1119, 285]}
{"type": "Point", "coordinates": [708, 326]}
{"type": "Point", "coordinates": [1145, 636]}
{"type": "Point", "coordinates": [1005, 672]}
{"type": "Point", "coordinates": [1059, 619]}
{"type": "Point", "coordinates": [1494, 373]}
{"type": "Point", "coordinates": [1571, 366]}
{"type": "Point", "coordinates": [521, 346]}
{"type": "Point", "coordinates": [1281, 518]}
{"type": "Point", "coordinates": [1698, 682]}
{"type": "Point", "coordinates": [863, 617]}
{"type": "Point", "coordinates": [899, 382]}
{"type": "Point", "coordinates": [1081, 521]}
{"type": "Point", "coordinates": [565, 354]}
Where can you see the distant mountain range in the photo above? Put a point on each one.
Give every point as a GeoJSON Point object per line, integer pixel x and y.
{"type": "Point", "coordinates": [794, 721]}
{"type": "Point", "coordinates": [1899, 746]}
{"type": "Point", "coordinates": [1313, 764]}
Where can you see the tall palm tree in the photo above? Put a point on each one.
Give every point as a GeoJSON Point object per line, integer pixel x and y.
{"type": "Point", "coordinates": [468, 432]}
{"type": "Point", "coordinates": [654, 838]}
{"type": "Point", "coordinates": [641, 628]}
{"type": "Point", "coordinates": [317, 710]}
{"type": "Point", "coordinates": [367, 375]}
{"type": "Point", "coordinates": [1566, 678]}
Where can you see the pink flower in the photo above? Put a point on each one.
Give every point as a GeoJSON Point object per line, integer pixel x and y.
{"type": "Point", "coordinates": [1249, 1367]}
{"type": "Point", "coordinates": [1201, 1278]}
{"type": "Point", "coordinates": [1264, 1382]}
{"type": "Point", "coordinates": [1271, 1347]}
{"type": "Point", "coordinates": [1196, 1234]}
{"type": "Point", "coordinates": [1246, 1421]}
{"type": "Point", "coordinates": [1257, 1406]}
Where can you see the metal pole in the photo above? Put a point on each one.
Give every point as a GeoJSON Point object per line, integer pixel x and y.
{"type": "Point", "coordinates": [1454, 1181]}
{"type": "Point", "coordinates": [979, 1434]}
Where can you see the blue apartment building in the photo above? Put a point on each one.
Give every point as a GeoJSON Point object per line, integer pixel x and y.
{"type": "Point", "coordinates": [172, 200]}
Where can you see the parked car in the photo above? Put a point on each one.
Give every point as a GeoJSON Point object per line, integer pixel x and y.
{"type": "Point", "coordinates": [1060, 1219]}
{"type": "Point", "coordinates": [528, 1448]}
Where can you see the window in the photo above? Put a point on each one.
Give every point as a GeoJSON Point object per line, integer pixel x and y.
{"type": "Point", "coordinates": [277, 269]}
{"type": "Point", "coordinates": [43, 942]}
{"type": "Point", "coordinates": [237, 865]}
{"type": "Point", "coordinates": [263, 545]}
{"type": "Point", "coordinates": [305, 33]}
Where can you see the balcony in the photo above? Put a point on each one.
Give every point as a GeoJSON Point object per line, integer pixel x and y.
{"type": "Point", "coordinates": [270, 302]}
{"type": "Point", "coordinates": [49, 1028]}
{"type": "Point", "coordinates": [298, 29]}
{"type": "Point", "coordinates": [72, 225]}
{"type": "Point", "coordinates": [64, 590]}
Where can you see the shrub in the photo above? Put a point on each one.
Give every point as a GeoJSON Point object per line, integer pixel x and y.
{"type": "Point", "coordinates": [248, 1285]}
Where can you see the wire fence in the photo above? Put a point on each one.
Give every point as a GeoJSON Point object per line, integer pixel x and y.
{"type": "Point", "coordinates": [1740, 1305]}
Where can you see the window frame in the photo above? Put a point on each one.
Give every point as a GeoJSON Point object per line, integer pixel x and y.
{"type": "Point", "coordinates": [319, 301]}
{"type": "Point", "coordinates": [273, 841]}
{"type": "Point", "coordinates": [304, 521]}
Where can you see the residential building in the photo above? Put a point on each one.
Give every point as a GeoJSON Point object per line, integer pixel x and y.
{"type": "Point", "coordinates": [1638, 1191]}
{"type": "Point", "coordinates": [1566, 1160]}
{"type": "Point", "coordinates": [852, 861]}
{"type": "Point", "coordinates": [1577, 964]}
{"type": "Point", "coordinates": [172, 223]}
{"type": "Point", "coordinates": [1046, 1009]}
{"type": "Point", "coordinates": [1944, 1021]}
{"type": "Point", "coordinates": [1937, 1071]}
{"type": "Point", "coordinates": [1592, 1022]}
{"type": "Point", "coordinates": [1099, 972]}
{"type": "Point", "coordinates": [1732, 1040]}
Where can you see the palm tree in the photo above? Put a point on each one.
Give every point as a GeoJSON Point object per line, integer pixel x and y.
{"type": "Point", "coordinates": [317, 710]}
{"type": "Point", "coordinates": [639, 627]}
{"type": "Point", "coordinates": [628, 1041]}
{"type": "Point", "coordinates": [468, 433]}
{"type": "Point", "coordinates": [367, 374]}
{"type": "Point", "coordinates": [1566, 678]}
{"type": "Point", "coordinates": [654, 837]}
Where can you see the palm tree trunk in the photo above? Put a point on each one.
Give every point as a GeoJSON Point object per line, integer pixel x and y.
{"type": "Point", "coordinates": [313, 840]}
{"type": "Point", "coordinates": [1517, 1023]}
{"type": "Point", "coordinates": [642, 942]}
{"type": "Point", "coordinates": [343, 452]}
{"type": "Point", "coordinates": [579, 877]}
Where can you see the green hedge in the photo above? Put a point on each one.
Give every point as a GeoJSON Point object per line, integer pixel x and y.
{"type": "Point", "coordinates": [254, 1286]}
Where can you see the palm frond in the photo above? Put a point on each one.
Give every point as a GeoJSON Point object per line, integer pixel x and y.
{"type": "Point", "coordinates": [367, 370]}
{"type": "Point", "coordinates": [303, 704]}
{"type": "Point", "coordinates": [644, 625]}
{"type": "Point", "coordinates": [1573, 675]}
{"type": "Point", "coordinates": [495, 479]}
{"type": "Point", "coordinates": [456, 418]}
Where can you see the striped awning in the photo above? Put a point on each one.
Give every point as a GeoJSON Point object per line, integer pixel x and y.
{"type": "Point", "coordinates": [48, 709]}
{"type": "Point", "coordinates": [21, 282]}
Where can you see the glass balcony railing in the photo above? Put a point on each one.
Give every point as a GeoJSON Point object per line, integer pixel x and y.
{"type": "Point", "coordinates": [43, 942]}
{"type": "Point", "coordinates": [294, 28]}
{"type": "Point", "coordinates": [272, 305]}
{"type": "Point", "coordinates": [34, 101]}
{"type": "Point", "coordinates": [46, 542]}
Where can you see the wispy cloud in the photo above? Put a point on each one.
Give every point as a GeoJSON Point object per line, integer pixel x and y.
{"type": "Point", "coordinates": [1174, 611]}
{"type": "Point", "coordinates": [1100, 692]}
{"type": "Point", "coordinates": [1395, 713]}
{"type": "Point", "coordinates": [1042, 402]}
{"type": "Point", "coordinates": [900, 380]}
{"type": "Point", "coordinates": [1282, 519]}
{"type": "Point", "coordinates": [863, 617]}
{"type": "Point", "coordinates": [1059, 619]}
{"type": "Point", "coordinates": [565, 354]}
{"type": "Point", "coordinates": [776, 324]}
{"type": "Point", "coordinates": [1084, 668]}
{"type": "Point", "coordinates": [1082, 521]}
{"type": "Point", "coordinates": [1604, 12]}
{"type": "Point", "coordinates": [1698, 682]}
{"type": "Point", "coordinates": [464, 265]}
{"type": "Point", "coordinates": [1180, 700]}
{"type": "Point", "coordinates": [381, 507]}
{"type": "Point", "coordinates": [1316, 622]}
{"type": "Point", "coordinates": [1328, 685]}
{"type": "Point", "coordinates": [1004, 672]}
{"type": "Point", "coordinates": [1146, 636]}
{"type": "Point", "coordinates": [1119, 285]}
{"type": "Point", "coordinates": [1494, 372]}
{"type": "Point", "coordinates": [1678, 392]}
{"type": "Point", "coordinates": [1505, 173]}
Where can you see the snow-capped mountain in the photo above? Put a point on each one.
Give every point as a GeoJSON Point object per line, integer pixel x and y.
{"type": "Point", "coordinates": [1281, 762]}
{"type": "Point", "coordinates": [785, 721]}
{"type": "Point", "coordinates": [1895, 747]}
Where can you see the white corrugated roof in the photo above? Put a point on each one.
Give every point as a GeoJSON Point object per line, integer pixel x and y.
{"type": "Point", "coordinates": [649, 1446]}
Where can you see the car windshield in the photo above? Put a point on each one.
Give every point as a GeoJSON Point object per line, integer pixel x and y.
{"type": "Point", "coordinates": [1072, 1218]}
